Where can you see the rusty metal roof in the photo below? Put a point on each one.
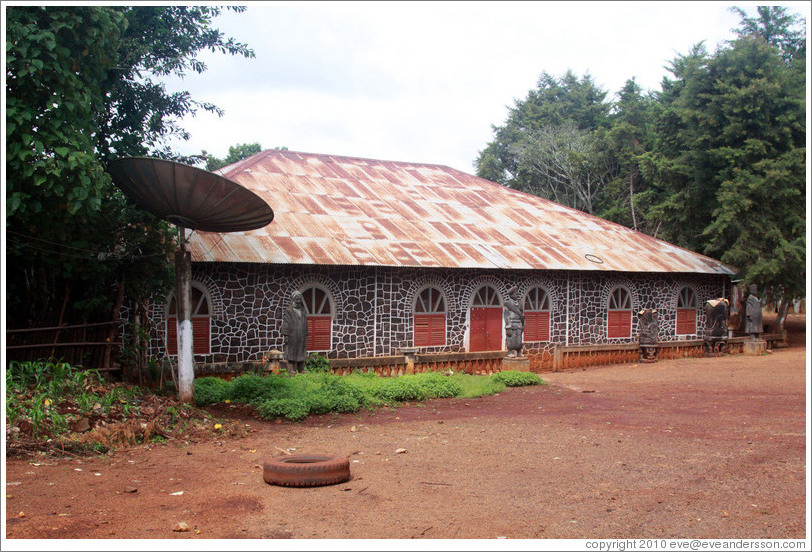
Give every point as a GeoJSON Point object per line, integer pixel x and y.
{"type": "Point", "coordinates": [333, 210]}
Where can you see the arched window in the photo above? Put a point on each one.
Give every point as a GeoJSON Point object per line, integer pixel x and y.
{"type": "Point", "coordinates": [486, 320]}
{"type": "Point", "coordinates": [319, 319]}
{"type": "Point", "coordinates": [486, 296]}
{"type": "Point", "coordinates": [201, 323]}
{"type": "Point", "coordinates": [619, 317]}
{"type": "Point", "coordinates": [537, 315]}
{"type": "Point", "coordinates": [686, 311]}
{"type": "Point", "coordinates": [429, 318]}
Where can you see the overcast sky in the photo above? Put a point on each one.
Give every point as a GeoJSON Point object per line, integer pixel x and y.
{"type": "Point", "coordinates": [425, 81]}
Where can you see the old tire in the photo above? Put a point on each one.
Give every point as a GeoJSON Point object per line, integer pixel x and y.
{"type": "Point", "coordinates": [306, 470]}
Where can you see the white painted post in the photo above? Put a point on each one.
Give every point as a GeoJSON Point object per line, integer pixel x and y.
{"type": "Point", "coordinates": [183, 291]}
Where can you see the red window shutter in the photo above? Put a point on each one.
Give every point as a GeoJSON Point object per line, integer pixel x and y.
{"type": "Point", "coordinates": [437, 330]}
{"type": "Point", "coordinates": [686, 321]}
{"type": "Point", "coordinates": [429, 330]}
{"type": "Point", "coordinates": [319, 333]}
{"type": "Point", "coordinates": [537, 326]}
{"type": "Point", "coordinates": [172, 335]}
{"type": "Point", "coordinates": [619, 324]}
{"type": "Point", "coordinates": [201, 335]}
{"type": "Point", "coordinates": [422, 330]}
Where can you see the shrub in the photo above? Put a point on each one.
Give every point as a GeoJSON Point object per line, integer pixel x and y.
{"type": "Point", "coordinates": [319, 392]}
{"type": "Point", "coordinates": [345, 404]}
{"type": "Point", "coordinates": [253, 387]}
{"type": "Point", "coordinates": [317, 363]}
{"type": "Point", "coordinates": [513, 378]}
{"type": "Point", "coordinates": [210, 390]}
{"type": "Point", "coordinates": [318, 403]}
{"type": "Point", "coordinates": [289, 408]}
{"type": "Point", "coordinates": [439, 386]}
{"type": "Point", "coordinates": [400, 389]}
{"type": "Point", "coordinates": [341, 386]}
{"type": "Point", "coordinates": [476, 386]}
{"type": "Point", "coordinates": [322, 403]}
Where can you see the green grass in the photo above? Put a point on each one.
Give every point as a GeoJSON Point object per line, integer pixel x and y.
{"type": "Point", "coordinates": [297, 397]}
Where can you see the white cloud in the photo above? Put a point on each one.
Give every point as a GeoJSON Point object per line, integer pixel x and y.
{"type": "Point", "coordinates": [424, 81]}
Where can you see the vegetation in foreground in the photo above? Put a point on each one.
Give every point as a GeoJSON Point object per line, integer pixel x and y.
{"type": "Point", "coordinates": [53, 407]}
{"type": "Point", "coordinates": [297, 397]}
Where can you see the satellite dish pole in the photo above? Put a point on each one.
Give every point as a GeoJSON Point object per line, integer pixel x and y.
{"type": "Point", "coordinates": [183, 300]}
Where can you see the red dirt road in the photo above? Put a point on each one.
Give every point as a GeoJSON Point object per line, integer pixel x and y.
{"type": "Point", "coordinates": [694, 448]}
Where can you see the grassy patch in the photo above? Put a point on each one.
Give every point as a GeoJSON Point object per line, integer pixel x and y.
{"type": "Point", "coordinates": [296, 397]}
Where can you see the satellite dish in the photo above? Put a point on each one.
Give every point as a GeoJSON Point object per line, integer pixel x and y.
{"type": "Point", "coordinates": [188, 196]}
{"type": "Point", "coordinates": [193, 198]}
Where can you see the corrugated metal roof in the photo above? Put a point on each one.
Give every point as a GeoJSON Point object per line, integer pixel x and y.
{"type": "Point", "coordinates": [333, 210]}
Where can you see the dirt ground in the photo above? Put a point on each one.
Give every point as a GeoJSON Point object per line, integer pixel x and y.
{"type": "Point", "coordinates": [692, 448]}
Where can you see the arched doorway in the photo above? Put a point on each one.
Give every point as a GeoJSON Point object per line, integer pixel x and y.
{"type": "Point", "coordinates": [619, 316]}
{"type": "Point", "coordinates": [486, 320]}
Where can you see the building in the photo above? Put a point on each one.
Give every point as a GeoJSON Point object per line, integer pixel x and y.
{"type": "Point", "coordinates": [396, 257]}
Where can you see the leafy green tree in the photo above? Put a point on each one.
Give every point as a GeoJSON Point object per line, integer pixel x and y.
{"type": "Point", "coordinates": [758, 110]}
{"type": "Point", "coordinates": [683, 195]}
{"type": "Point", "coordinates": [567, 165]}
{"type": "Point", "coordinates": [83, 87]}
{"type": "Point", "coordinates": [728, 164]}
{"type": "Point", "coordinates": [777, 27]}
{"type": "Point", "coordinates": [566, 102]}
{"type": "Point", "coordinates": [628, 141]}
{"type": "Point", "coordinates": [235, 153]}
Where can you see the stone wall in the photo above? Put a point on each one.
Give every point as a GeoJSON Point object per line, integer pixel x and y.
{"type": "Point", "coordinates": [372, 308]}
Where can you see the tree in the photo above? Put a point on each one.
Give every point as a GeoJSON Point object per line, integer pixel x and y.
{"type": "Point", "coordinates": [682, 197]}
{"type": "Point", "coordinates": [628, 140]}
{"type": "Point", "coordinates": [83, 87]}
{"type": "Point", "coordinates": [728, 164]}
{"type": "Point", "coordinates": [235, 153]}
{"type": "Point", "coordinates": [759, 224]}
{"type": "Point", "coordinates": [777, 27]}
{"type": "Point", "coordinates": [579, 103]}
{"type": "Point", "coordinates": [570, 164]}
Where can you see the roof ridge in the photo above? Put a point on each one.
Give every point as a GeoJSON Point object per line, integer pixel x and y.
{"type": "Point", "coordinates": [243, 164]}
{"type": "Point", "coordinates": [358, 158]}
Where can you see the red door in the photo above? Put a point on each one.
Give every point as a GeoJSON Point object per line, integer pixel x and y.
{"type": "Point", "coordinates": [486, 329]}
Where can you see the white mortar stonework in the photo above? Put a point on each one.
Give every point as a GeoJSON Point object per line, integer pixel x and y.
{"type": "Point", "coordinates": [372, 314]}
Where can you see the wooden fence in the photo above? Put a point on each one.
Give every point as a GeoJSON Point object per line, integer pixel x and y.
{"type": "Point", "coordinates": [86, 345]}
